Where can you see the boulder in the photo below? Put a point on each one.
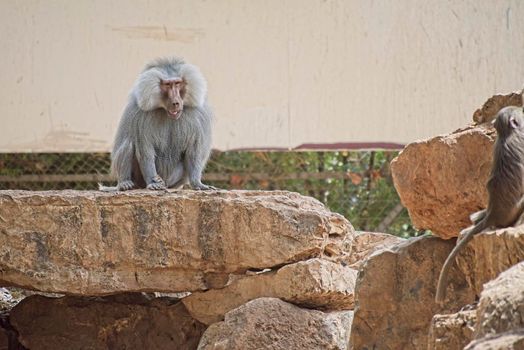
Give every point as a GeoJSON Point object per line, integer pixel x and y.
{"type": "Point", "coordinates": [395, 291]}
{"type": "Point", "coordinates": [96, 243]}
{"type": "Point", "coordinates": [452, 331]}
{"type": "Point", "coordinates": [494, 104]}
{"type": "Point", "coordinates": [490, 253]}
{"type": "Point", "coordinates": [315, 283]}
{"type": "Point", "coordinates": [441, 181]}
{"type": "Point", "coordinates": [501, 305]}
{"type": "Point", "coordinates": [506, 341]}
{"type": "Point", "coordinates": [270, 323]}
{"type": "Point", "coordinates": [117, 322]}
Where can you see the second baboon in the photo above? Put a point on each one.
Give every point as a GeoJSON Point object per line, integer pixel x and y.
{"type": "Point", "coordinates": [505, 187]}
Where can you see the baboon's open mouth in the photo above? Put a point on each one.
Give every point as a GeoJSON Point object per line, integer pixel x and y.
{"type": "Point", "coordinates": [175, 114]}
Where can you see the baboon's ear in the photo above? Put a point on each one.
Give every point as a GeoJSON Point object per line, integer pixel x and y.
{"type": "Point", "coordinates": [513, 123]}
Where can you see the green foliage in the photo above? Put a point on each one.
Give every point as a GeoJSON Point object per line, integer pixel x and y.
{"type": "Point", "coordinates": [361, 188]}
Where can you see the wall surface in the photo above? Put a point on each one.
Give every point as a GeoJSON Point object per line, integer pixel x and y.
{"type": "Point", "coordinates": [281, 73]}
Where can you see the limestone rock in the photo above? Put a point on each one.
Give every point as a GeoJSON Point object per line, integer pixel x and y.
{"type": "Point", "coordinates": [506, 341]}
{"type": "Point", "coordinates": [490, 108]}
{"type": "Point", "coordinates": [501, 305]}
{"type": "Point", "coordinates": [314, 283]}
{"type": "Point", "coordinates": [95, 243]}
{"type": "Point", "coordinates": [452, 331]}
{"type": "Point", "coordinates": [395, 291]}
{"type": "Point", "coordinates": [490, 253]}
{"type": "Point", "coordinates": [441, 181]}
{"type": "Point", "coordinates": [366, 243]}
{"type": "Point", "coordinates": [117, 322]}
{"type": "Point", "coordinates": [269, 323]}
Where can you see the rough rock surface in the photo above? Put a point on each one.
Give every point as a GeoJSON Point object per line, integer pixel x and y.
{"type": "Point", "coordinates": [314, 283]}
{"type": "Point", "coordinates": [506, 341]}
{"type": "Point", "coordinates": [490, 253]}
{"type": "Point", "coordinates": [95, 243]}
{"type": "Point", "coordinates": [490, 108]}
{"type": "Point", "coordinates": [117, 322]}
{"type": "Point", "coordinates": [452, 331]}
{"type": "Point", "coordinates": [441, 181]}
{"type": "Point", "coordinates": [501, 305]}
{"type": "Point", "coordinates": [395, 291]}
{"type": "Point", "coordinates": [366, 243]}
{"type": "Point", "coordinates": [270, 323]}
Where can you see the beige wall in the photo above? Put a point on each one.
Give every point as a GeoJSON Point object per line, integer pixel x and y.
{"type": "Point", "coordinates": [281, 72]}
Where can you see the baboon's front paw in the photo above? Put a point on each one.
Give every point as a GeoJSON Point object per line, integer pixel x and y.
{"type": "Point", "coordinates": [157, 184]}
{"type": "Point", "coordinates": [202, 187]}
{"type": "Point", "coordinates": [125, 185]}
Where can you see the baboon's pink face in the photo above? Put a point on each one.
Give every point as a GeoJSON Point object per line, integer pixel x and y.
{"type": "Point", "coordinates": [173, 91]}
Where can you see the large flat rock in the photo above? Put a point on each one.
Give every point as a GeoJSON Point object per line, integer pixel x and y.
{"type": "Point", "coordinates": [95, 243]}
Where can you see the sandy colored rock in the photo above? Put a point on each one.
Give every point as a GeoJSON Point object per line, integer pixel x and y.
{"type": "Point", "coordinates": [395, 291]}
{"type": "Point", "coordinates": [507, 341]}
{"type": "Point", "coordinates": [270, 323]}
{"type": "Point", "coordinates": [490, 108]}
{"type": "Point", "coordinates": [501, 305]}
{"type": "Point", "coordinates": [95, 243]}
{"type": "Point", "coordinates": [118, 322]}
{"type": "Point", "coordinates": [314, 283]}
{"type": "Point", "coordinates": [366, 243]}
{"type": "Point", "coordinates": [452, 331]}
{"type": "Point", "coordinates": [490, 253]}
{"type": "Point", "coordinates": [441, 181]}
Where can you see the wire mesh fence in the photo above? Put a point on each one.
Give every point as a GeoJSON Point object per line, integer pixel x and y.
{"type": "Point", "coordinates": [356, 184]}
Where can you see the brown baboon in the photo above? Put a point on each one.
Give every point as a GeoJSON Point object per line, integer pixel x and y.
{"type": "Point", "coordinates": [505, 186]}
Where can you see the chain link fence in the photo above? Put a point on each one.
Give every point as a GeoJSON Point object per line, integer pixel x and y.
{"type": "Point", "coordinates": [356, 184]}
